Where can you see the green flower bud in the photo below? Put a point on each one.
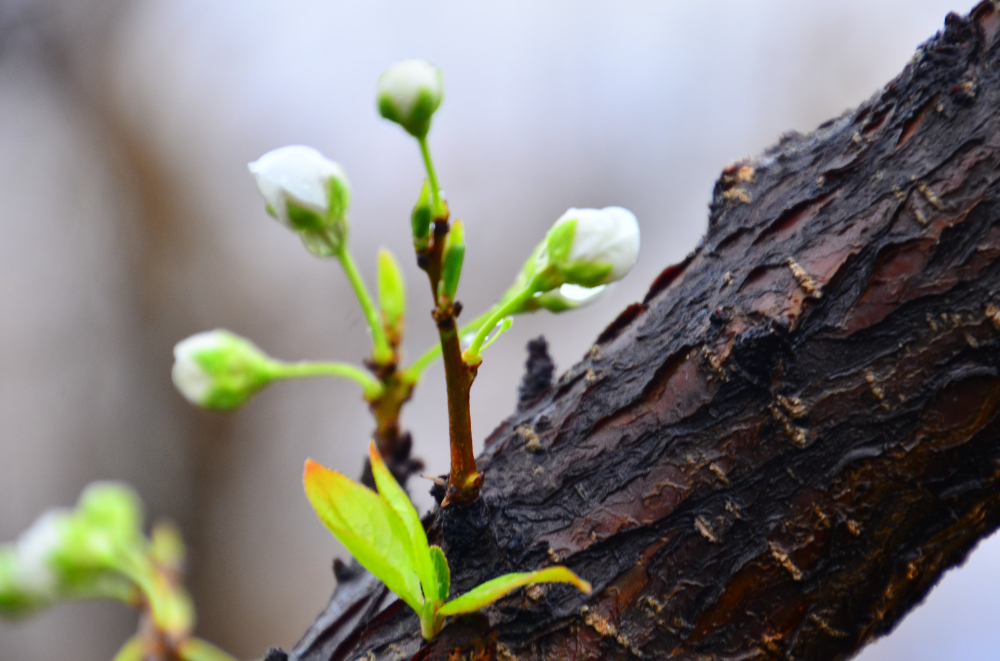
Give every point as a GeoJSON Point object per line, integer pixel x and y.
{"type": "Point", "coordinates": [588, 248]}
{"type": "Point", "coordinates": [112, 509]}
{"type": "Point", "coordinates": [307, 192]}
{"type": "Point", "coordinates": [563, 298]}
{"type": "Point", "coordinates": [220, 370]}
{"type": "Point", "coordinates": [420, 218]}
{"type": "Point", "coordinates": [408, 93]}
{"type": "Point", "coordinates": [451, 263]}
{"type": "Point", "coordinates": [391, 295]}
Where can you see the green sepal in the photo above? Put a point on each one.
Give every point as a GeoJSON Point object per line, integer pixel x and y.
{"type": "Point", "coordinates": [303, 218]}
{"type": "Point", "coordinates": [391, 295]}
{"type": "Point", "coordinates": [418, 122]}
{"type": "Point", "coordinates": [421, 217]}
{"type": "Point", "coordinates": [559, 241]}
{"type": "Point", "coordinates": [587, 274]}
{"type": "Point", "coordinates": [451, 266]}
{"type": "Point", "coordinates": [239, 372]}
{"type": "Point", "coordinates": [556, 301]}
{"type": "Point", "coordinates": [338, 198]}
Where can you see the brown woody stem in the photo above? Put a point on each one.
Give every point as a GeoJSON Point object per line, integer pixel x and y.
{"type": "Point", "coordinates": [464, 480]}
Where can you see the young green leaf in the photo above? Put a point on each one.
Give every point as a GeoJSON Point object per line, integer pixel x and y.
{"type": "Point", "coordinates": [391, 294]}
{"type": "Point", "coordinates": [441, 572]}
{"type": "Point", "coordinates": [420, 218]}
{"type": "Point", "coordinates": [368, 527]}
{"type": "Point", "coordinates": [490, 591]}
{"type": "Point", "coordinates": [451, 262]}
{"type": "Point", "coordinates": [397, 500]}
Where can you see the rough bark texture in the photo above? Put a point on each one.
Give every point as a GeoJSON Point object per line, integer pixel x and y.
{"type": "Point", "coordinates": [779, 451]}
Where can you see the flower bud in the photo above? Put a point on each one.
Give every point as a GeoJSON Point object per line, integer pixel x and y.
{"type": "Point", "coordinates": [307, 192]}
{"type": "Point", "coordinates": [408, 93]}
{"type": "Point", "coordinates": [75, 554]}
{"type": "Point", "coordinates": [451, 263]}
{"type": "Point", "coordinates": [420, 219]}
{"type": "Point", "coordinates": [111, 510]}
{"type": "Point", "coordinates": [391, 295]}
{"type": "Point", "coordinates": [588, 247]}
{"type": "Point", "coordinates": [219, 370]}
{"type": "Point", "coordinates": [28, 579]}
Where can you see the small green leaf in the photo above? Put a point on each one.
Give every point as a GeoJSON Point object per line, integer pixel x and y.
{"type": "Point", "coordinates": [391, 293]}
{"type": "Point", "coordinates": [490, 591]}
{"type": "Point", "coordinates": [441, 572]}
{"type": "Point", "coordinates": [167, 547]}
{"type": "Point", "coordinates": [397, 500]}
{"type": "Point", "coordinates": [451, 262]}
{"type": "Point", "coordinates": [368, 527]}
{"type": "Point", "coordinates": [420, 218]}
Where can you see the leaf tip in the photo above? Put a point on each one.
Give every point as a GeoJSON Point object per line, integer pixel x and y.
{"type": "Point", "coordinates": [374, 456]}
{"type": "Point", "coordinates": [311, 473]}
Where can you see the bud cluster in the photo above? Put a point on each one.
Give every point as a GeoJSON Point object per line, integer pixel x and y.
{"type": "Point", "coordinates": [97, 551]}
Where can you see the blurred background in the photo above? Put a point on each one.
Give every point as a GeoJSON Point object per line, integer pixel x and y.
{"type": "Point", "coordinates": [130, 221]}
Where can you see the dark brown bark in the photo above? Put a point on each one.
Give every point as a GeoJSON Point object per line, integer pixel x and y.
{"type": "Point", "coordinates": [780, 450]}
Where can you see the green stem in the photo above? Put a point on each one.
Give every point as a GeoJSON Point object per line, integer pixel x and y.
{"type": "Point", "coordinates": [381, 351]}
{"type": "Point", "coordinates": [413, 373]}
{"type": "Point", "coordinates": [471, 354]}
{"type": "Point", "coordinates": [431, 177]}
{"type": "Point", "coordinates": [132, 650]}
{"type": "Point", "coordinates": [196, 649]}
{"type": "Point", "coordinates": [304, 370]}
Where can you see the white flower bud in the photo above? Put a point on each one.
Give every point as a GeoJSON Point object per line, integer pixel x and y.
{"type": "Point", "coordinates": [36, 577]}
{"type": "Point", "coordinates": [589, 247]}
{"type": "Point", "coordinates": [219, 370]}
{"type": "Point", "coordinates": [307, 192]}
{"type": "Point", "coordinates": [408, 93]}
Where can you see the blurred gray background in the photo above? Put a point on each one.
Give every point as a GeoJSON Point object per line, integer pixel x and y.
{"type": "Point", "coordinates": [129, 221]}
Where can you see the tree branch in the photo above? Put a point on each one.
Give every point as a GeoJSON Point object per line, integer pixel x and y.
{"type": "Point", "coordinates": [782, 448]}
